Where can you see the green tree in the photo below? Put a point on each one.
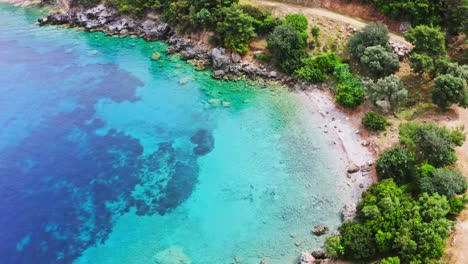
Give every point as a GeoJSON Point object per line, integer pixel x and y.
{"type": "Point", "coordinates": [358, 241]}
{"type": "Point", "coordinates": [388, 93]}
{"type": "Point", "coordinates": [450, 90]}
{"type": "Point", "coordinates": [432, 143]}
{"type": "Point", "coordinates": [350, 94]}
{"type": "Point", "coordinates": [444, 181]}
{"type": "Point", "coordinates": [236, 29]}
{"type": "Point", "coordinates": [379, 62]}
{"type": "Point", "coordinates": [287, 47]}
{"type": "Point", "coordinates": [298, 21]}
{"type": "Point", "coordinates": [455, 13]}
{"type": "Point", "coordinates": [457, 204]}
{"type": "Point", "coordinates": [374, 34]}
{"type": "Point", "coordinates": [397, 163]}
{"type": "Point", "coordinates": [427, 42]}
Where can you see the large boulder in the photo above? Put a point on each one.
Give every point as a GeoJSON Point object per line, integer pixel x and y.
{"type": "Point", "coordinates": [306, 258]}
{"type": "Point", "coordinates": [235, 57]}
{"type": "Point", "coordinates": [319, 253]}
{"type": "Point", "coordinates": [219, 58]}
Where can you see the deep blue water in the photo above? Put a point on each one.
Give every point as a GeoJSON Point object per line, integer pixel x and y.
{"type": "Point", "coordinates": [92, 130]}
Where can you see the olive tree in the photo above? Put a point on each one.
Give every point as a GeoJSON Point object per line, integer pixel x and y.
{"type": "Point", "coordinates": [388, 93]}
{"type": "Point", "coordinates": [379, 62]}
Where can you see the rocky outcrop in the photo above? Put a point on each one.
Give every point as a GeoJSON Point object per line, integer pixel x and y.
{"type": "Point", "coordinates": [108, 20]}
{"type": "Point", "coordinates": [320, 230]}
{"type": "Point", "coordinates": [349, 212]}
{"type": "Point", "coordinates": [319, 254]}
{"type": "Point", "coordinates": [353, 168]}
{"type": "Point", "coordinates": [306, 258]}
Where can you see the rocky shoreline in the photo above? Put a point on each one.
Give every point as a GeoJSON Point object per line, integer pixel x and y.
{"type": "Point", "coordinates": [225, 66]}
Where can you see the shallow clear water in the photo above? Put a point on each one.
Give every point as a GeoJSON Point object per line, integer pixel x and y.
{"type": "Point", "coordinates": [109, 157]}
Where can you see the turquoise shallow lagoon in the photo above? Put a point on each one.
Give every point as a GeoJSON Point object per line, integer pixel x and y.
{"type": "Point", "coordinates": [109, 157]}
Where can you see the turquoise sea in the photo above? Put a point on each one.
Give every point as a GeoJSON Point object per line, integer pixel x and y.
{"type": "Point", "coordinates": [109, 157]}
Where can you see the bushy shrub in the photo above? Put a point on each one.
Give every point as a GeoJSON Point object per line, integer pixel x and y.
{"type": "Point", "coordinates": [450, 90]}
{"type": "Point", "coordinates": [444, 181]}
{"type": "Point", "coordinates": [134, 8]}
{"type": "Point", "coordinates": [263, 57]}
{"type": "Point", "coordinates": [457, 204]}
{"type": "Point", "coordinates": [350, 94]}
{"type": "Point", "coordinates": [374, 34]}
{"type": "Point", "coordinates": [298, 21]}
{"type": "Point", "coordinates": [287, 47]}
{"type": "Point", "coordinates": [388, 93]}
{"type": "Point", "coordinates": [397, 163]}
{"type": "Point", "coordinates": [390, 260]}
{"type": "Point", "coordinates": [333, 246]}
{"type": "Point", "coordinates": [432, 143]}
{"type": "Point", "coordinates": [374, 122]}
{"type": "Point", "coordinates": [358, 241]}
{"type": "Point", "coordinates": [349, 91]}
{"type": "Point", "coordinates": [318, 68]}
{"type": "Point", "coordinates": [379, 62]}
{"type": "Point", "coordinates": [315, 31]}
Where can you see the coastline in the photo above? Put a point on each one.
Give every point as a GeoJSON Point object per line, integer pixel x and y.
{"type": "Point", "coordinates": [348, 139]}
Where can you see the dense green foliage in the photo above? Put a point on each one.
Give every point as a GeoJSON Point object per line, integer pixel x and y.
{"type": "Point", "coordinates": [450, 90]}
{"type": "Point", "coordinates": [431, 143]}
{"type": "Point", "coordinates": [236, 29]}
{"type": "Point", "coordinates": [333, 246]}
{"type": "Point", "coordinates": [451, 14]}
{"type": "Point", "coordinates": [397, 163]}
{"type": "Point", "coordinates": [444, 181]}
{"type": "Point", "coordinates": [374, 121]}
{"type": "Point", "coordinates": [429, 54]}
{"type": "Point", "coordinates": [393, 218]}
{"type": "Point", "coordinates": [318, 68]}
{"type": "Point", "coordinates": [297, 21]}
{"type": "Point", "coordinates": [287, 47]}
{"type": "Point", "coordinates": [390, 260]}
{"type": "Point", "coordinates": [379, 61]}
{"type": "Point", "coordinates": [374, 34]}
{"type": "Point", "coordinates": [388, 93]}
{"type": "Point", "coordinates": [263, 21]}
{"type": "Point", "coordinates": [349, 91]}
{"type": "Point", "coordinates": [358, 241]}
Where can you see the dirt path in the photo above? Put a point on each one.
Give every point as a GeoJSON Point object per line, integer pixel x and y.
{"type": "Point", "coordinates": [287, 8]}
{"type": "Point", "coordinates": [457, 251]}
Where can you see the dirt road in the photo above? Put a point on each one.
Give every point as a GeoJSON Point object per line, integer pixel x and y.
{"type": "Point", "coordinates": [280, 9]}
{"type": "Point", "coordinates": [457, 251]}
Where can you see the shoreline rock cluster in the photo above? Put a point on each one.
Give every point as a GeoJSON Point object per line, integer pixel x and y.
{"type": "Point", "coordinates": [111, 22]}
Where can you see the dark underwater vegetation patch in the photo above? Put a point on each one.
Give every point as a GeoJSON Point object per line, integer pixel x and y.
{"type": "Point", "coordinates": [204, 141]}
{"type": "Point", "coordinates": [63, 186]}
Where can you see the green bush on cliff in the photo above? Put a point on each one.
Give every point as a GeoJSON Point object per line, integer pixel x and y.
{"type": "Point", "coordinates": [287, 47]}
{"type": "Point", "coordinates": [318, 68]}
{"type": "Point", "coordinates": [236, 29]}
{"type": "Point", "coordinates": [349, 90]}
{"type": "Point", "coordinates": [374, 122]}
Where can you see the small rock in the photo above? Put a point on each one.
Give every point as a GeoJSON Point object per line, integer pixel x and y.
{"type": "Point", "coordinates": [365, 143]}
{"type": "Point", "coordinates": [297, 243]}
{"type": "Point", "coordinates": [320, 230]}
{"type": "Point", "coordinates": [353, 168]}
{"type": "Point", "coordinates": [361, 185]}
{"type": "Point", "coordinates": [306, 258]}
{"type": "Point", "coordinates": [156, 56]}
{"type": "Point", "coordinates": [214, 102]}
{"type": "Point", "coordinates": [227, 104]}
{"type": "Point", "coordinates": [318, 253]}
{"type": "Point", "coordinates": [235, 57]}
